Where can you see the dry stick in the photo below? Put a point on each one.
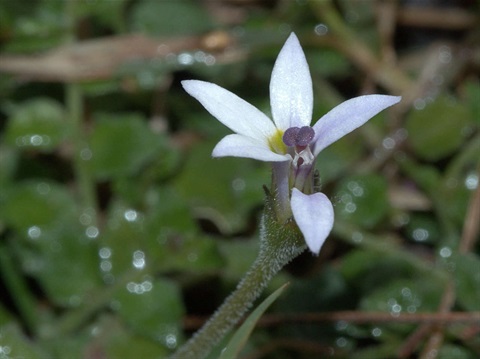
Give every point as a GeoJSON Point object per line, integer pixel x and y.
{"type": "Point", "coordinates": [351, 316]}
{"type": "Point", "coordinates": [435, 341]}
{"type": "Point", "coordinates": [471, 226]}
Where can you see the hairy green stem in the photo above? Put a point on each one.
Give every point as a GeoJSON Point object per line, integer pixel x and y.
{"type": "Point", "coordinates": [281, 242]}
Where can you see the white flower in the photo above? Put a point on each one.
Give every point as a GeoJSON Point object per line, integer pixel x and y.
{"type": "Point", "coordinates": [289, 141]}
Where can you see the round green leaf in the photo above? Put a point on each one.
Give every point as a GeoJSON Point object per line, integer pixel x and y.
{"type": "Point", "coordinates": [76, 259]}
{"type": "Point", "coordinates": [362, 199]}
{"type": "Point", "coordinates": [153, 308]}
{"type": "Point", "coordinates": [121, 144]}
{"type": "Point", "coordinates": [405, 296]}
{"type": "Point", "coordinates": [224, 190]}
{"type": "Point", "coordinates": [37, 124]}
{"type": "Point", "coordinates": [437, 130]}
{"type": "Point", "coordinates": [33, 206]}
{"type": "Point", "coordinates": [467, 279]}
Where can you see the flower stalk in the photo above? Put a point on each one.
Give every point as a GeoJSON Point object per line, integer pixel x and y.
{"type": "Point", "coordinates": [280, 244]}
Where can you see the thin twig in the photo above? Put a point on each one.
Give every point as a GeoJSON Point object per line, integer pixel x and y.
{"type": "Point", "coordinates": [273, 320]}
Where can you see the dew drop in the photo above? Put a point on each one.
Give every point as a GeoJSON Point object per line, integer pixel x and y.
{"type": "Point", "coordinates": [105, 252]}
{"type": "Point", "coordinates": [412, 309]}
{"type": "Point", "coordinates": [238, 184]}
{"type": "Point", "coordinates": [420, 234]}
{"type": "Point", "coordinates": [138, 259]}
{"type": "Point", "coordinates": [357, 237]}
{"type": "Point", "coordinates": [86, 154]}
{"type": "Point", "coordinates": [471, 182]}
{"type": "Point", "coordinates": [171, 341]}
{"type": "Point", "coordinates": [139, 288]}
{"type": "Point", "coordinates": [396, 308]}
{"type": "Point", "coordinates": [341, 342]}
{"type": "Point", "coordinates": [419, 104]}
{"type": "Point", "coordinates": [92, 232]}
{"type": "Point", "coordinates": [321, 29]}
{"type": "Point", "coordinates": [445, 252]}
{"type": "Point", "coordinates": [130, 215]}
{"type": "Point", "coordinates": [85, 219]}
{"type": "Point", "coordinates": [388, 143]}
{"type": "Point", "coordinates": [34, 232]}
{"type": "Point", "coordinates": [445, 55]}
{"type": "Point", "coordinates": [106, 266]}
{"type": "Point", "coordinates": [406, 292]}
{"type": "Point", "coordinates": [185, 59]}
{"type": "Point", "coordinates": [5, 350]}
{"type": "Point", "coordinates": [36, 140]}
{"type": "Point", "coordinates": [350, 207]}
{"type": "Point", "coordinates": [341, 325]}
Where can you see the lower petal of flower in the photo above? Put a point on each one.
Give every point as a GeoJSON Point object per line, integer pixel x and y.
{"type": "Point", "coordinates": [314, 216]}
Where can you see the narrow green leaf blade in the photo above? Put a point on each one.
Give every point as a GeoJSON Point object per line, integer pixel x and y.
{"type": "Point", "coordinates": [242, 334]}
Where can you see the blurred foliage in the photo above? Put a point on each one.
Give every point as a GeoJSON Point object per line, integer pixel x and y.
{"type": "Point", "coordinates": [117, 226]}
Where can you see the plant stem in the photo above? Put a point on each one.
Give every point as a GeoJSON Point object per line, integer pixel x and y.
{"type": "Point", "coordinates": [17, 287]}
{"type": "Point", "coordinates": [351, 45]}
{"type": "Point", "coordinates": [280, 244]}
{"type": "Point", "coordinates": [74, 104]}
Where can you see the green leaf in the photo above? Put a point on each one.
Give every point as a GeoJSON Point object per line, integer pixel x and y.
{"type": "Point", "coordinates": [439, 129]}
{"type": "Point", "coordinates": [14, 344]}
{"type": "Point", "coordinates": [451, 351]}
{"type": "Point", "coordinates": [152, 308]}
{"type": "Point", "coordinates": [168, 18]}
{"type": "Point", "coordinates": [36, 26]}
{"type": "Point", "coordinates": [37, 124]}
{"type": "Point", "coordinates": [123, 241]}
{"type": "Point", "coordinates": [52, 240]}
{"type": "Point", "coordinates": [423, 229]}
{"type": "Point", "coordinates": [368, 270]}
{"type": "Point", "coordinates": [8, 165]}
{"type": "Point", "coordinates": [405, 296]}
{"type": "Point", "coordinates": [33, 206]}
{"type": "Point", "coordinates": [173, 240]}
{"type": "Point", "coordinates": [110, 13]}
{"type": "Point", "coordinates": [362, 199]}
{"type": "Point", "coordinates": [467, 279]}
{"type": "Point", "coordinates": [333, 161]}
{"type": "Point", "coordinates": [228, 193]}
{"type": "Point", "coordinates": [113, 338]}
{"type": "Point", "coordinates": [121, 144]}
{"type": "Point", "coordinates": [242, 334]}
{"type": "Point", "coordinates": [472, 88]}
{"type": "Point", "coordinates": [72, 255]}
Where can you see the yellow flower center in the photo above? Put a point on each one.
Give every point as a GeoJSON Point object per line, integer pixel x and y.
{"type": "Point", "coordinates": [276, 143]}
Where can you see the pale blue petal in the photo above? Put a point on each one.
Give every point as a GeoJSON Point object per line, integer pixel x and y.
{"type": "Point", "coordinates": [242, 146]}
{"type": "Point", "coordinates": [291, 94]}
{"type": "Point", "coordinates": [314, 216]}
{"type": "Point", "coordinates": [234, 112]}
{"type": "Point", "coordinates": [348, 116]}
